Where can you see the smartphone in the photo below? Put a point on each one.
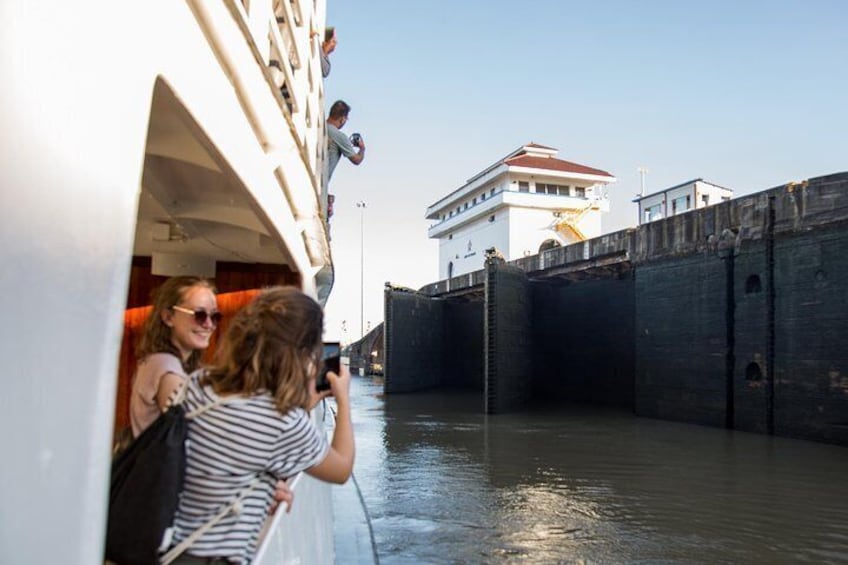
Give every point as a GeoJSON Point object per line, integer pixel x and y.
{"type": "Point", "coordinates": [331, 361]}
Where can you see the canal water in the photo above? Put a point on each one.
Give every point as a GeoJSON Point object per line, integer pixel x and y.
{"type": "Point", "coordinates": [444, 483]}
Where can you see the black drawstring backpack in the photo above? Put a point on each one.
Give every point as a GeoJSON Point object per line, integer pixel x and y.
{"type": "Point", "coordinates": [147, 478]}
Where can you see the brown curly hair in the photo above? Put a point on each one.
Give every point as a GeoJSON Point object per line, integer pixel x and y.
{"type": "Point", "coordinates": [156, 337]}
{"type": "Point", "coordinates": [272, 345]}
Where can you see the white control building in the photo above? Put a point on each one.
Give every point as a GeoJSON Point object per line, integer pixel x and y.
{"type": "Point", "coordinates": [525, 203]}
{"type": "Point", "coordinates": [680, 198]}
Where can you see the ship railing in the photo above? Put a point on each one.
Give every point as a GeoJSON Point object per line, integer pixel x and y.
{"type": "Point", "coordinates": [285, 36]}
{"type": "Point", "coordinates": [287, 40]}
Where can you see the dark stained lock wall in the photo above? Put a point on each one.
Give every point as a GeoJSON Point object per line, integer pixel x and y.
{"type": "Point", "coordinates": [463, 346]}
{"type": "Point", "coordinates": [414, 344]}
{"type": "Point", "coordinates": [583, 341]}
{"type": "Point", "coordinates": [681, 339]}
{"type": "Point", "coordinates": [811, 335]}
{"type": "Point", "coordinates": [750, 339]}
{"type": "Point", "coordinates": [508, 348]}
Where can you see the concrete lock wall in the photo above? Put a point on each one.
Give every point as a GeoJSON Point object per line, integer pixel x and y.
{"type": "Point", "coordinates": [681, 340]}
{"type": "Point", "coordinates": [731, 316]}
{"type": "Point", "coordinates": [583, 341]}
{"type": "Point", "coordinates": [463, 344]}
{"type": "Point", "coordinates": [811, 324]}
{"type": "Point", "coordinates": [413, 341]}
{"type": "Point", "coordinates": [508, 348]}
{"type": "Point", "coordinates": [749, 400]}
{"type": "Point", "coordinates": [432, 342]}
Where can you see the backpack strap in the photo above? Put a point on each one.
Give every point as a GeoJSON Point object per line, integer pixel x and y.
{"type": "Point", "coordinates": [205, 408]}
{"type": "Point", "coordinates": [234, 506]}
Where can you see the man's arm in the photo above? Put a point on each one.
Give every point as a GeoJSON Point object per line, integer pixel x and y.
{"type": "Point", "coordinates": [358, 157]}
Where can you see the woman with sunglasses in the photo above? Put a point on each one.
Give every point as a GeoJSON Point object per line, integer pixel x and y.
{"type": "Point", "coordinates": [184, 315]}
{"type": "Point", "coordinates": [183, 318]}
{"type": "Point", "coordinates": [256, 426]}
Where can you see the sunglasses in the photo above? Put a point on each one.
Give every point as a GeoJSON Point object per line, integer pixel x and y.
{"type": "Point", "coordinates": [200, 316]}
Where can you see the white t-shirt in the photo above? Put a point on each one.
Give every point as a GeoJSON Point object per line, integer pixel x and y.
{"type": "Point", "coordinates": [228, 447]}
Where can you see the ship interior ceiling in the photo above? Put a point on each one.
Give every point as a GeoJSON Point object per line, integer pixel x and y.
{"type": "Point", "coordinates": [190, 201]}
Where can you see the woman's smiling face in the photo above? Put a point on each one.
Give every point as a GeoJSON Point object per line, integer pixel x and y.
{"type": "Point", "coordinates": [187, 334]}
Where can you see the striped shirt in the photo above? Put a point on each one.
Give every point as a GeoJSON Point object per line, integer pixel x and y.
{"type": "Point", "coordinates": [228, 447]}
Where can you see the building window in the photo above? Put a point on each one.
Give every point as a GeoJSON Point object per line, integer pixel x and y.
{"type": "Point", "coordinates": [653, 213]}
{"type": "Point", "coordinates": [458, 209]}
{"type": "Point", "coordinates": [474, 201]}
{"type": "Point", "coordinates": [450, 269]}
{"type": "Point", "coordinates": [563, 191]}
{"type": "Point", "coordinates": [725, 198]}
{"type": "Point", "coordinates": [465, 206]}
{"type": "Point", "coordinates": [523, 186]}
{"type": "Point", "coordinates": [492, 192]}
{"type": "Point", "coordinates": [680, 204]}
{"type": "Point", "coordinates": [705, 198]}
{"type": "Point", "coordinates": [492, 218]}
{"type": "Point", "coordinates": [450, 236]}
{"type": "Point", "coordinates": [482, 197]}
{"type": "Point", "coordinates": [580, 191]}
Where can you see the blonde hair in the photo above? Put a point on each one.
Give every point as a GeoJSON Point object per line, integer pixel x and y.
{"type": "Point", "coordinates": [272, 345]}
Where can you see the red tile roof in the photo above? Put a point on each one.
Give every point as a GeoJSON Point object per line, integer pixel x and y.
{"type": "Point", "coordinates": [551, 164]}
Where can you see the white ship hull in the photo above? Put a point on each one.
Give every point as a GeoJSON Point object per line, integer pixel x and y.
{"type": "Point", "coordinates": [148, 130]}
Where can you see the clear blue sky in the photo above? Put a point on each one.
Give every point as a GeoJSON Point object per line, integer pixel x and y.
{"type": "Point", "coordinates": [745, 94]}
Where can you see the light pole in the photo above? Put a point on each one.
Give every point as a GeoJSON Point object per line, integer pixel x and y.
{"type": "Point", "coordinates": [361, 206]}
{"type": "Point", "coordinates": [642, 172]}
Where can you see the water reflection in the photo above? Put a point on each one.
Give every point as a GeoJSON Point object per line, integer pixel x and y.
{"type": "Point", "coordinates": [446, 483]}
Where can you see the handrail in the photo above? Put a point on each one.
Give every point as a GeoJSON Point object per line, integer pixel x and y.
{"type": "Point", "coordinates": [308, 139]}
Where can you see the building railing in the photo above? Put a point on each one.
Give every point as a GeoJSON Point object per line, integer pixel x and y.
{"type": "Point", "coordinates": [569, 202]}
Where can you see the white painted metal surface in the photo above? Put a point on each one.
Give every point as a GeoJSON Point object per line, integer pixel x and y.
{"type": "Point", "coordinates": [78, 80]}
